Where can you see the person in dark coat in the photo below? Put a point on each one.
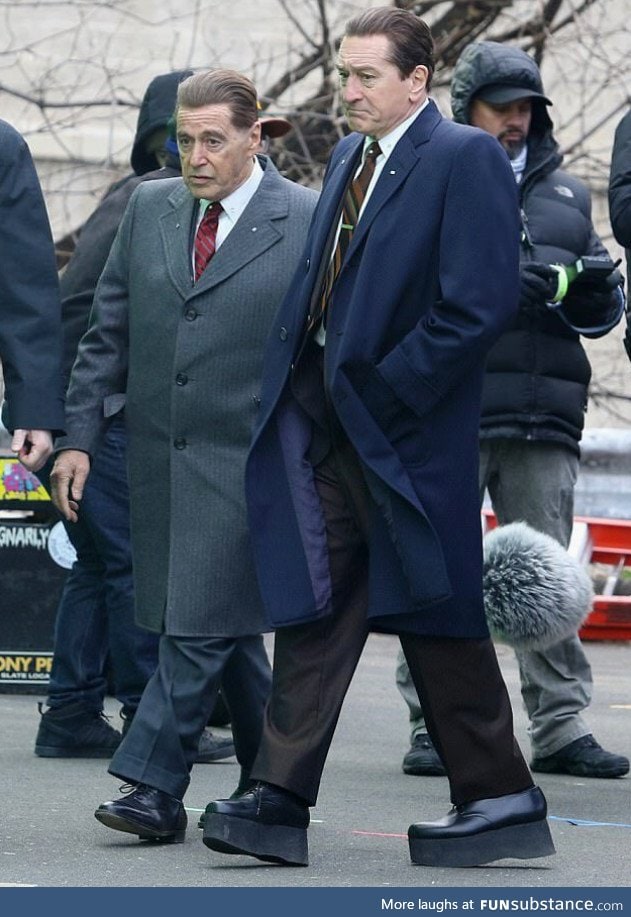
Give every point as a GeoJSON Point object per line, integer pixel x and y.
{"type": "Point", "coordinates": [96, 639]}
{"type": "Point", "coordinates": [361, 482]}
{"type": "Point", "coordinates": [30, 322]}
{"type": "Point", "coordinates": [535, 391]}
{"type": "Point", "coordinates": [620, 199]}
{"type": "Point", "coordinates": [181, 313]}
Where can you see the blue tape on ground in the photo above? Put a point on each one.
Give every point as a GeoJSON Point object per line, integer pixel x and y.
{"type": "Point", "coordinates": [585, 823]}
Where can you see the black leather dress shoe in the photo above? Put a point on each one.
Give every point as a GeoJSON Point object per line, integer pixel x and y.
{"type": "Point", "coordinates": [147, 812]}
{"type": "Point", "coordinates": [265, 822]}
{"type": "Point", "coordinates": [481, 832]}
{"type": "Point", "coordinates": [242, 787]}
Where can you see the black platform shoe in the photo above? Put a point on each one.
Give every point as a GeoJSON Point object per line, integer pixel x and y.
{"type": "Point", "coordinates": [481, 832]}
{"type": "Point", "coordinates": [265, 822]}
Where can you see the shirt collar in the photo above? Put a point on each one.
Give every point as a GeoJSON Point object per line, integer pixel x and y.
{"type": "Point", "coordinates": [235, 203]}
{"type": "Point", "coordinates": [388, 143]}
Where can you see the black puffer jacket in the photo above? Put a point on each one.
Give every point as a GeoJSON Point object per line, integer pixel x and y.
{"type": "Point", "coordinates": [620, 202]}
{"type": "Point", "coordinates": [537, 373]}
{"type": "Point", "coordinates": [620, 187]}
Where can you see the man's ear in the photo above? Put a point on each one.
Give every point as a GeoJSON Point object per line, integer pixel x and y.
{"type": "Point", "coordinates": [418, 78]}
{"type": "Point", "coordinates": [255, 135]}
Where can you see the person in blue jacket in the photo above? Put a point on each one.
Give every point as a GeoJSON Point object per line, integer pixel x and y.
{"type": "Point", "coordinates": [620, 200]}
{"type": "Point", "coordinates": [361, 481]}
{"type": "Point", "coordinates": [30, 309]}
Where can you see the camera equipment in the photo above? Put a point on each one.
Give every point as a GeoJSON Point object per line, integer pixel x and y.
{"type": "Point", "coordinates": [601, 276]}
{"type": "Point", "coordinates": [589, 267]}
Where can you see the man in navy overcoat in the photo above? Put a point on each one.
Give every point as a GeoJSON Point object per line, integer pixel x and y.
{"type": "Point", "coordinates": [362, 481]}
{"type": "Point", "coordinates": [30, 307]}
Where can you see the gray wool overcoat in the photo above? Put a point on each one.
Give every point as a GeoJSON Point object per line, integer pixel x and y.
{"type": "Point", "coordinates": [185, 359]}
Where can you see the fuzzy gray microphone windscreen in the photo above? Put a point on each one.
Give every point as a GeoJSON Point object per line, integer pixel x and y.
{"type": "Point", "coordinates": [535, 593]}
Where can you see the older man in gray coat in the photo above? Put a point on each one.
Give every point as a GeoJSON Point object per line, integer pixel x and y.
{"type": "Point", "coordinates": [181, 315]}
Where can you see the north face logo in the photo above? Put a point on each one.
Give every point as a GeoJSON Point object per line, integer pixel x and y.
{"type": "Point", "coordinates": [564, 191]}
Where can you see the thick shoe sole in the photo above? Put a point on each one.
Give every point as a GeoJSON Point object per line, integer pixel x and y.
{"type": "Point", "coordinates": [118, 823]}
{"type": "Point", "coordinates": [523, 842]}
{"type": "Point", "coordinates": [271, 843]}
{"type": "Point", "coordinates": [540, 767]}
{"type": "Point", "coordinates": [81, 751]}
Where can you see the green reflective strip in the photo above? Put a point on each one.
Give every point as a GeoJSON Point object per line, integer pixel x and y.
{"type": "Point", "coordinates": [562, 282]}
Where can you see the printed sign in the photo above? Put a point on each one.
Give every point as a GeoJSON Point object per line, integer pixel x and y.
{"type": "Point", "coordinates": [16, 483]}
{"type": "Point", "coordinates": [28, 667]}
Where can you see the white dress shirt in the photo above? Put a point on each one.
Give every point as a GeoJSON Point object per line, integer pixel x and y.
{"type": "Point", "coordinates": [233, 206]}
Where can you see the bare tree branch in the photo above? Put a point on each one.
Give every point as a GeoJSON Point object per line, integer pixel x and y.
{"type": "Point", "coordinates": [64, 78]}
{"type": "Point", "coordinates": [43, 103]}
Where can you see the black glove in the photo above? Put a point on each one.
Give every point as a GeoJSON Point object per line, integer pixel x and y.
{"type": "Point", "coordinates": [591, 307]}
{"type": "Point", "coordinates": [538, 284]}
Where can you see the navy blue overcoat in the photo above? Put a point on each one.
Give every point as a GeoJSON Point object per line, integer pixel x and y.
{"type": "Point", "coordinates": [428, 283]}
{"type": "Point", "coordinates": [30, 306]}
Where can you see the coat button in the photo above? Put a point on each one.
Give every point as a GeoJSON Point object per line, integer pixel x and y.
{"type": "Point", "coordinates": [180, 443]}
{"type": "Point", "coordinates": [190, 315]}
{"type": "Point", "coordinates": [181, 378]}
{"type": "Point", "coordinates": [283, 334]}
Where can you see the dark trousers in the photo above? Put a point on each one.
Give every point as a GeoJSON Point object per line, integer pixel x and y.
{"type": "Point", "coordinates": [95, 617]}
{"type": "Point", "coordinates": [161, 744]}
{"type": "Point", "coordinates": [468, 711]}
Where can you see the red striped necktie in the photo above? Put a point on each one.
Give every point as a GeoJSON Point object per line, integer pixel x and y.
{"type": "Point", "coordinates": [206, 238]}
{"type": "Point", "coordinates": [353, 200]}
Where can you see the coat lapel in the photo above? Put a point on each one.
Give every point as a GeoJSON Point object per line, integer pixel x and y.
{"type": "Point", "coordinates": [256, 230]}
{"type": "Point", "coordinates": [325, 230]}
{"type": "Point", "coordinates": [332, 198]}
{"type": "Point", "coordinates": [175, 229]}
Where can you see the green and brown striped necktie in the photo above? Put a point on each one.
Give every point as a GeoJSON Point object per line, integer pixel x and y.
{"type": "Point", "coordinates": [353, 200]}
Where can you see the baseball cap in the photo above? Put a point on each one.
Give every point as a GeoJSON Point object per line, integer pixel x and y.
{"type": "Point", "coordinates": [499, 93]}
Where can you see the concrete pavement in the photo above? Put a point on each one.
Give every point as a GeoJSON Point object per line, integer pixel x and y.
{"type": "Point", "coordinates": [49, 837]}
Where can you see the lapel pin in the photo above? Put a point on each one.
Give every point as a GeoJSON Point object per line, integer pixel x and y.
{"type": "Point", "coordinates": [254, 228]}
{"type": "Point", "coordinates": [393, 172]}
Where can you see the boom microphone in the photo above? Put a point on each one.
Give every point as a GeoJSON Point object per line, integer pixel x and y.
{"type": "Point", "coordinates": [535, 593]}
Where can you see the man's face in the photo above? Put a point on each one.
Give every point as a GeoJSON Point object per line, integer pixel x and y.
{"type": "Point", "coordinates": [154, 145]}
{"type": "Point", "coordinates": [216, 156]}
{"type": "Point", "coordinates": [509, 122]}
{"type": "Point", "coordinates": [374, 95]}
